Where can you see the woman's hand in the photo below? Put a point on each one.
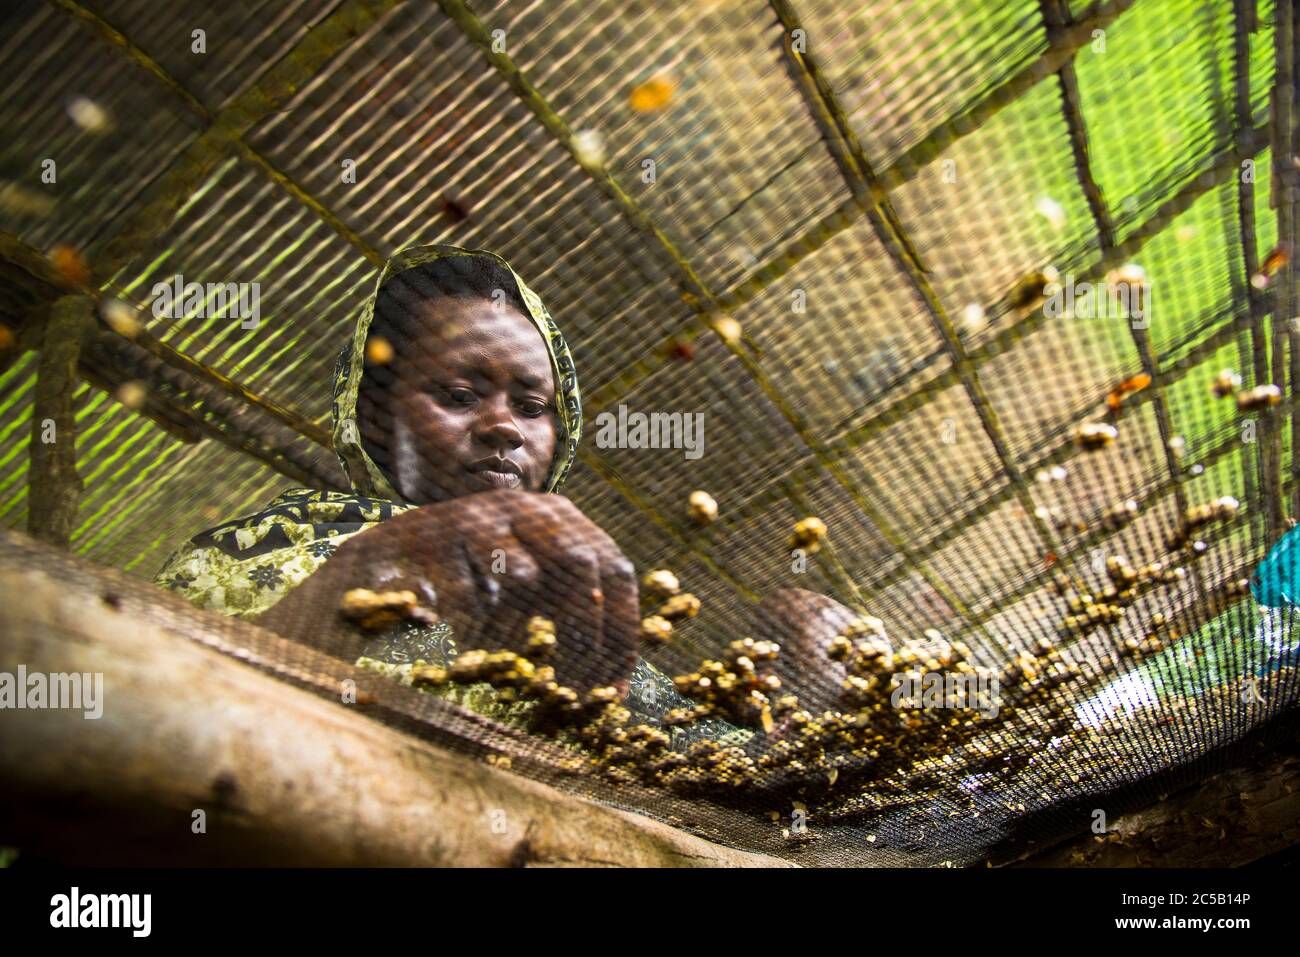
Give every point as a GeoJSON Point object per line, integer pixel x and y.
{"type": "Point", "coordinates": [486, 563]}
{"type": "Point", "coordinates": [802, 622]}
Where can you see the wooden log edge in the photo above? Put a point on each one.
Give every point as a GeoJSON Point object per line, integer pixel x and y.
{"type": "Point", "coordinates": [1239, 816]}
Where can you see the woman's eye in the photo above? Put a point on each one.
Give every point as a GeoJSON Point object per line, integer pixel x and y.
{"type": "Point", "coordinates": [532, 408]}
{"type": "Point", "coordinates": [461, 396]}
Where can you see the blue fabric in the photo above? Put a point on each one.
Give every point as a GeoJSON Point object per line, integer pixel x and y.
{"type": "Point", "coordinates": [1276, 582]}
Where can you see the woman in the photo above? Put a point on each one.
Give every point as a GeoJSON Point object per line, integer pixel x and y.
{"type": "Point", "coordinates": [456, 411]}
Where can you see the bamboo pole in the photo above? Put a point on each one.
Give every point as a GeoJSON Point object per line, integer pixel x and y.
{"type": "Point", "coordinates": [240, 117]}
{"type": "Point", "coordinates": [212, 413]}
{"type": "Point", "coordinates": [132, 52]}
{"type": "Point", "coordinates": [1055, 455]}
{"type": "Point", "coordinates": [224, 134]}
{"type": "Point", "coordinates": [178, 360]}
{"type": "Point", "coordinates": [972, 119]}
{"type": "Point", "coordinates": [1283, 98]}
{"type": "Point", "coordinates": [1255, 346]}
{"type": "Point", "coordinates": [1056, 16]}
{"type": "Point", "coordinates": [1288, 321]}
{"type": "Point", "coordinates": [610, 475]}
{"type": "Point", "coordinates": [53, 486]}
{"type": "Point", "coordinates": [1222, 168]}
{"type": "Point", "coordinates": [1098, 535]}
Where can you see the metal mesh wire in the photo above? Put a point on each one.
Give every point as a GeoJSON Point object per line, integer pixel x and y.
{"type": "Point", "coordinates": [884, 380]}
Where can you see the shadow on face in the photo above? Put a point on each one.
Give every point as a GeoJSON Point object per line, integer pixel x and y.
{"type": "Point", "coordinates": [464, 403]}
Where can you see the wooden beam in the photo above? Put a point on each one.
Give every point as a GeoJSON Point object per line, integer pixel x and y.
{"type": "Point", "coordinates": [54, 488]}
{"type": "Point", "coordinates": [30, 262]}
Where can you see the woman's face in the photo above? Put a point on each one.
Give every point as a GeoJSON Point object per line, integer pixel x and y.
{"type": "Point", "coordinates": [470, 405]}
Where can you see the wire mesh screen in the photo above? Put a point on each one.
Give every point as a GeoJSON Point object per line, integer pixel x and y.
{"type": "Point", "coordinates": [855, 447]}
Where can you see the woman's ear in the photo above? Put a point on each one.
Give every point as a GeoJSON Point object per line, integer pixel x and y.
{"type": "Point", "coordinates": [374, 423]}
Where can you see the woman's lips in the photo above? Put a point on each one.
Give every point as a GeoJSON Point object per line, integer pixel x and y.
{"type": "Point", "coordinates": [494, 479]}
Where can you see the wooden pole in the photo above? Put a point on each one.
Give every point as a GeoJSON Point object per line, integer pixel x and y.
{"type": "Point", "coordinates": [1283, 104]}
{"type": "Point", "coordinates": [54, 488]}
{"type": "Point", "coordinates": [179, 360]}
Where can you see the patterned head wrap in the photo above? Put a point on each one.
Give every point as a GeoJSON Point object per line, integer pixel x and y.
{"type": "Point", "coordinates": [244, 566]}
{"type": "Point", "coordinates": [363, 474]}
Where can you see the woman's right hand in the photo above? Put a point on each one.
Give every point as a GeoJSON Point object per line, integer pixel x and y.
{"type": "Point", "coordinates": [486, 563]}
{"type": "Point", "coordinates": [802, 622]}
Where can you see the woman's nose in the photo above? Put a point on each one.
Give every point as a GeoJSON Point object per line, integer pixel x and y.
{"type": "Point", "coordinates": [496, 425]}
